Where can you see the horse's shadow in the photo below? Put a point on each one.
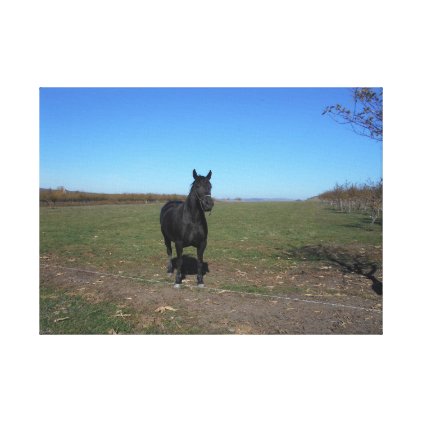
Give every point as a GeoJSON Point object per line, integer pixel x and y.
{"type": "Point", "coordinates": [346, 261]}
{"type": "Point", "coordinates": [189, 266]}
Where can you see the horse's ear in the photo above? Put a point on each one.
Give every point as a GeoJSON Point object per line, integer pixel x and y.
{"type": "Point", "coordinates": [195, 175]}
{"type": "Point", "coordinates": [209, 175]}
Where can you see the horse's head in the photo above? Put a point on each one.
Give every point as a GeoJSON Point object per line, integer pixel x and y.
{"type": "Point", "coordinates": [202, 189]}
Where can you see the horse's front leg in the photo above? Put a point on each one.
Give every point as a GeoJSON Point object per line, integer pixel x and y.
{"type": "Point", "coordinates": [179, 251]}
{"type": "Point", "coordinates": [200, 253]}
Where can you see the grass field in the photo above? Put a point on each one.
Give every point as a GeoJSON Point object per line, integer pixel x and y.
{"type": "Point", "coordinates": [252, 247]}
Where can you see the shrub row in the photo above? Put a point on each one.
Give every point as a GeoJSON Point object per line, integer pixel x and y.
{"type": "Point", "coordinates": [62, 197]}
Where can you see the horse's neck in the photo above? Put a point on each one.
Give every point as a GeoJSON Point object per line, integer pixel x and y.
{"type": "Point", "coordinates": [193, 207]}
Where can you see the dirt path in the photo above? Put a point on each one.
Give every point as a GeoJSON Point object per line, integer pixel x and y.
{"type": "Point", "coordinates": [212, 311]}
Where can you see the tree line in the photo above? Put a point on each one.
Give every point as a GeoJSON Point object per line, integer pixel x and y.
{"type": "Point", "coordinates": [364, 198]}
{"type": "Point", "coordinates": [60, 196]}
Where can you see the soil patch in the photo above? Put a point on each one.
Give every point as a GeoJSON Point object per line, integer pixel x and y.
{"type": "Point", "coordinates": [155, 307]}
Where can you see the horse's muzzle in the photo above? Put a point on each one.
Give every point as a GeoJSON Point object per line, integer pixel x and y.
{"type": "Point", "coordinates": [207, 203]}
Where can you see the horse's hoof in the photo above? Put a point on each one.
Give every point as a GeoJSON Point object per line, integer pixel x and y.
{"type": "Point", "coordinates": [177, 285]}
{"type": "Point", "coordinates": [201, 285]}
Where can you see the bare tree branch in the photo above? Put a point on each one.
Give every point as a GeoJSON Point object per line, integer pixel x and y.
{"type": "Point", "coordinates": [366, 117]}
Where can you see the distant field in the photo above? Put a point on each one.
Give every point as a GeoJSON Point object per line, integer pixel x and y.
{"type": "Point", "coordinates": [279, 248]}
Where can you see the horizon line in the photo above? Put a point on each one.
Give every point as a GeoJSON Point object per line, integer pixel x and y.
{"type": "Point", "coordinates": [223, 198]}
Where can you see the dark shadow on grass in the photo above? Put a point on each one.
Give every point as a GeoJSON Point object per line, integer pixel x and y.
{"type": "Point", "coordinates": [363, 220]}
{"type": "Point", "coordinates": [348, 262]}
{"type": "Point", "coordinates": [363, 223]}
{"type": "Point", "coordinates": [190, 266]}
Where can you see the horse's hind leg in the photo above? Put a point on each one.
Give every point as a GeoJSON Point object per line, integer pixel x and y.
{"type": "Point", "coordinates": [179, 251]}
{"type": "Point", "coordinates": [167, 241]}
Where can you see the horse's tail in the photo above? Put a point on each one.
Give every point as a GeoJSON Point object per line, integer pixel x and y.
{"type": "Point", "coordinates": [166, 207]}
{"type": "Point", "coordinates": [163, 210]}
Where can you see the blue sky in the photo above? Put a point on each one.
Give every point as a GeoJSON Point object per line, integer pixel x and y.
{"type": "Point", "coordinates": [271, 143]}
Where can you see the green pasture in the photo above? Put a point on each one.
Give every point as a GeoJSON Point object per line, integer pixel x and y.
{"type": "Point", "coordinates": [251, 247]}
{"type": "Point", "coordinates": [126, 239]}
{"type": "Point", "coordinates": [65, 313]}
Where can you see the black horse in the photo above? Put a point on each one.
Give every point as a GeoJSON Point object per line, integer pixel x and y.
{"type": "Point", "coordinates": [184, 224]}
